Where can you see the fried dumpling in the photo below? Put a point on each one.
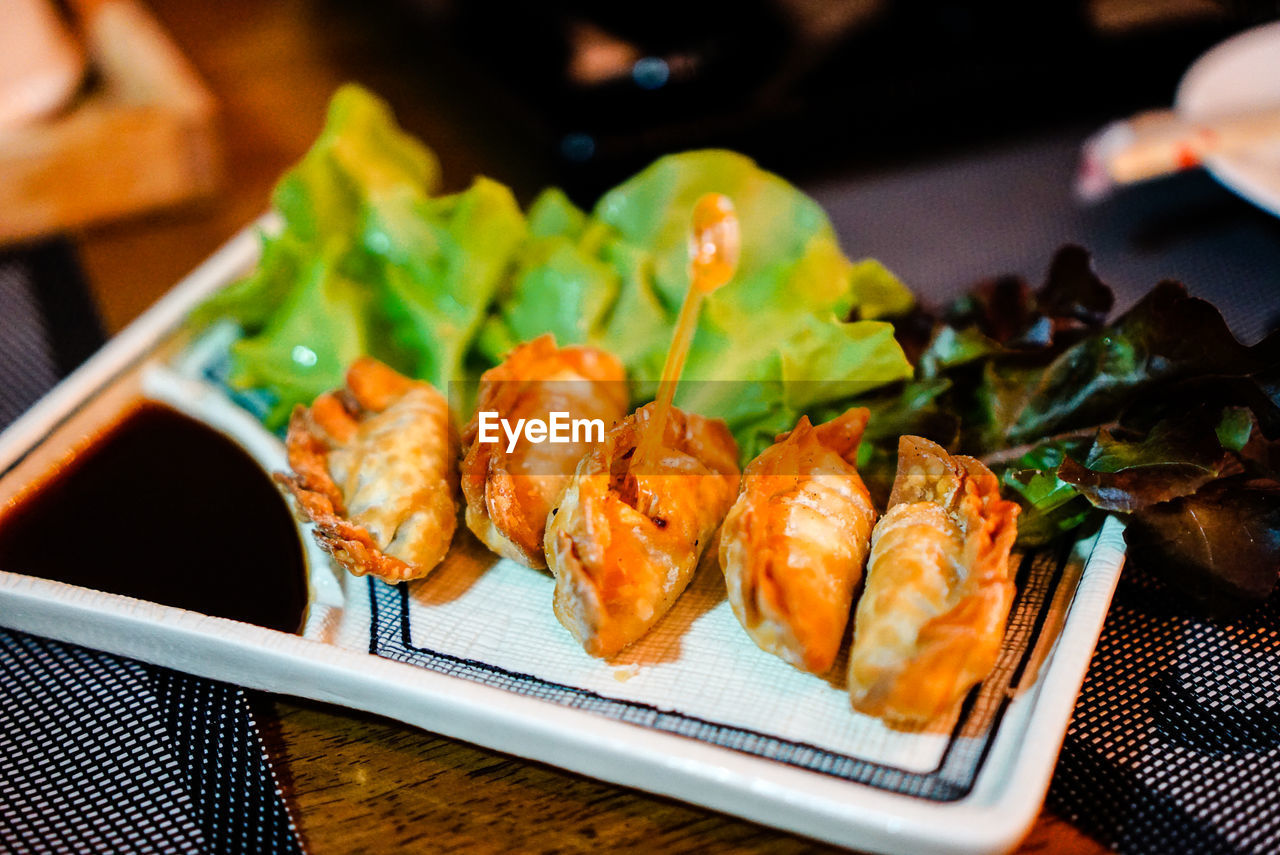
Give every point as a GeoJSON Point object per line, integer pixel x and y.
{"type": "Point", "coordinates": [509, 494]}
{"type": "Point", "coordinates": [794, 544]}
{"type": "Point", "coordinates": [939, 587]}
{"type": "Point", "coordinates": [374, 467]}
{"type": "Point", "coordinates": [623, 545]}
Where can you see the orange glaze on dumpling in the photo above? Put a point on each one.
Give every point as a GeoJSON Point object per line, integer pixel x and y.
{"type": "Point", "coordinates": [623, 545]}
{"type": "Point", "coordinates": [939, 587]}
{"type": "Point", "coordinates": [794, 544]}
{"type": "Point", "coordinates": [373, 466]}
{"type": "Point", "coordinates": [509, 494]}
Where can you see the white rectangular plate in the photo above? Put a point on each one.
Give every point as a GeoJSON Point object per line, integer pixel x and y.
{"type": "Point", "coordinates": [694, 711]}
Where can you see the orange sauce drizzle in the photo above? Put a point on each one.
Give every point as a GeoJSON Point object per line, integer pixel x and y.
{"type": "Point", "coordinates": [714, 247]}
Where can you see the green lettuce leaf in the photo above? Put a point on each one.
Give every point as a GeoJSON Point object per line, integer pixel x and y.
{"type": "Point", "coordinates": [1050, 505]}
{"type": "Point", "coordinates": [441, 267]}
{"type": "Point", "coordinates": [362, 160]}
{"type": "Point", "coordinates": [253, 300]}
{"type": "Point", "coordinates": [1166, 336]}
{"type": "Point", "coordinates": [325, 322]}
{"type": "Point", "coordinates": [367, 261]}
{"type": "Point", "coordinates": [1219, 546]}
{"type": "Point", "coordinates": [877, 292]}
{"type": "Point", "coordinates": [1126, 472]}
{"type": "Point", "coordinates": [1234, 428]}
{"type": "Point", "coordinates": [560, 284]}
{"type": "Point", "coordinates": [769, 346]}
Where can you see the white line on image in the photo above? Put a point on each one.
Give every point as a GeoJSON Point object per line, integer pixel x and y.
{"type": "Point", "coordinates": [559, 428]}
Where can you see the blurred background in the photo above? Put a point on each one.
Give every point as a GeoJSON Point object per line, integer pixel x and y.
{"type": "Point", "coordinates": [808, 85]}
{"type": "Point", "coordinates": [848, 98]}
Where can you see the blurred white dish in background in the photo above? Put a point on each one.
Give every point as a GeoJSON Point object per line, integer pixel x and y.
{"type": "Point", "coordinates": [41, 65]}
{"type": "Point", "coordinates": [1239, 76]}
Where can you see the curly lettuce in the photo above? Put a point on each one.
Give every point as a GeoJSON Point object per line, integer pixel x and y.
{"type": "Point", "coordinates": [770, 346]}
{"type": "Point", "coordinates": [370, 260]}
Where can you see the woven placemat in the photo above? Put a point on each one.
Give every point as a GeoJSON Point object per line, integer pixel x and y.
{"type": "Point", "coordinates": [1174, 745]}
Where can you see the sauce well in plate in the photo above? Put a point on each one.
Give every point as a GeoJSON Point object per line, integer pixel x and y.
{"type": "Point", "coordinates": [163, 508]}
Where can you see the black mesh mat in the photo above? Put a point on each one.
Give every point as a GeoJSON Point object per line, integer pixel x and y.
{"type": "Point", "coordinates": [1175, 742]}
{"type": "Point", "coordinates": [104, 754]}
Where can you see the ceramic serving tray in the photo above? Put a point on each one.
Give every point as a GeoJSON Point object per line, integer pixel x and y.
{"type": "Point", "coordinates": [694, 711]}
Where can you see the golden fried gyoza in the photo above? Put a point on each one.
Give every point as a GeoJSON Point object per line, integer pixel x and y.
{"type": "Point", "coordinates": [794, 544]}
{"type": "Point", "coordinates": [623, 545]}
{"type": "Point", "coordinates": [510, 493]}
{"type": "Point", "coordinates": [931, 620]}
{"type": "Point", "coordinates": [374, 467]}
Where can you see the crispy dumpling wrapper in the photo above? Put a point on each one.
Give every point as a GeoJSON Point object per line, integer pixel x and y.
{"type": "Point", "coordinates": [794, 544]}
{"type": "Point", "coordinates": [939, 587]}
{"type": "Point", "coordinates": [373, 466]}
{"type": "Point", "coordinates": [509, 494]}
{"type": "Point", "coordinates": [624, 545]}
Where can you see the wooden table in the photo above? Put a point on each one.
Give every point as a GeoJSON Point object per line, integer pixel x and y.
{"type": "Point", "coordinates": [358, 782]}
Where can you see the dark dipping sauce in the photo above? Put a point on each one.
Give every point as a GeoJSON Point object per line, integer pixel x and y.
{"type": "Point", "coordinates": [164, 509]}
